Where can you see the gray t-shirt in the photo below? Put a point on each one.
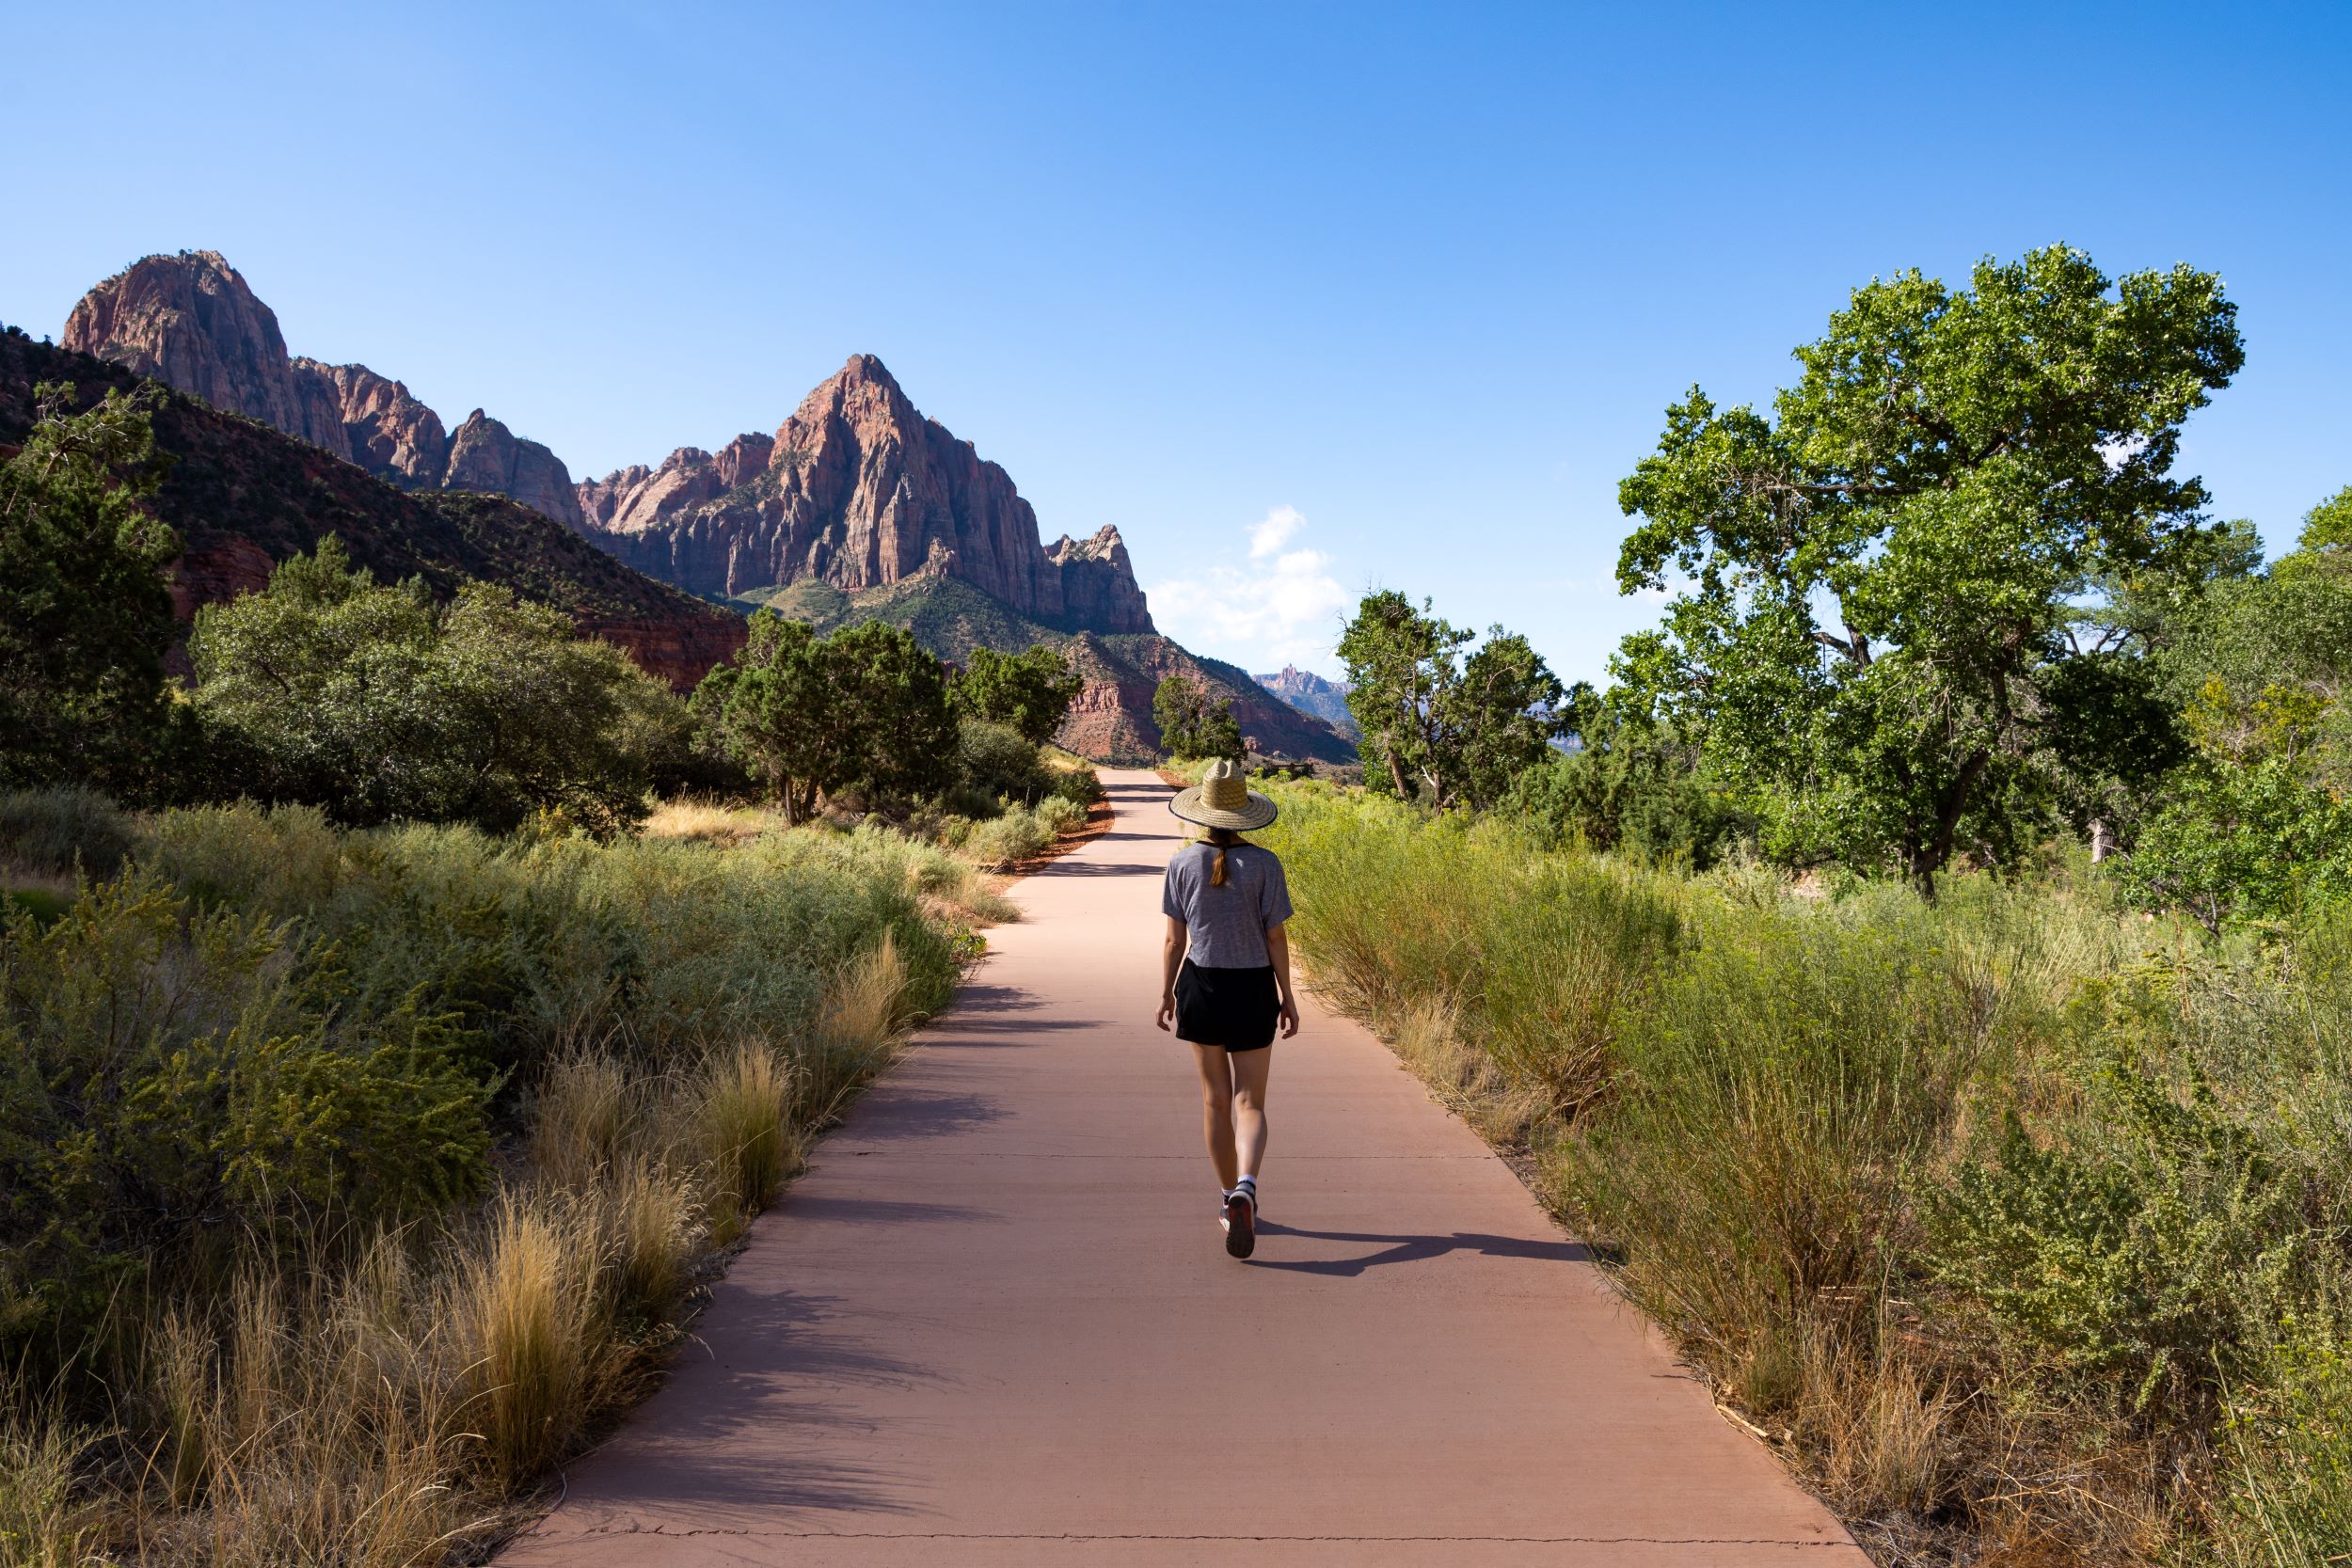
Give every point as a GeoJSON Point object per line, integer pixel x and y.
{"type": "Point", "coordinates": [1227, 925]}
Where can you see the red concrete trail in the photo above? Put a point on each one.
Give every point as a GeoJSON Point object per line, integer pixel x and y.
{"type": "Point", "coordinates": [995, 1325]}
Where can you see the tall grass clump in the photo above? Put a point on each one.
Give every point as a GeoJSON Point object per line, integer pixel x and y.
{"type": "Point", "coordinates": [1778, 1093]}
{"type": "Point", "coordinates": [42, 1524]}
{"type": "Point", "coordinates": [63, 831]}
{"type": "Point", "coordinates": [533, 1334]}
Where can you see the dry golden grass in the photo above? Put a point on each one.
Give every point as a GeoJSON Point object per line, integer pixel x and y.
{"type": "Point", "coordinates": [741, 1129]}
{"type": "Point", "coordinates": [579, 1117]}
{"type": "Point", "coordinates": [534, 1335]}
{"type": "Point", "coordinates": [314, 1426]}
{"type": "Point", "coordinates": [705, 822]}
{"type": "Point", "coordinates": [656, 1229]}
{"type": "Point", "coordinates": [1465, 1079]}
{"type": "Point", "coordinates": [42, 1526]}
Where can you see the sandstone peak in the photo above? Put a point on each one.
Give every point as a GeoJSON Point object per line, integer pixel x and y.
{"type": "Point", "coordinates": [859, 489]}
{"type": "Point", "coordinates": [191, 321]}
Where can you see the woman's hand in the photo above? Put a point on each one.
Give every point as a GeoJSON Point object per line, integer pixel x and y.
{"type": "Point", "coordinates": [1290, 1016]}
{"type": "Point", "coordinates": [1167, 1008]}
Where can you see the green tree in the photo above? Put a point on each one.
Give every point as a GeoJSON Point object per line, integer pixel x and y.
{"type": "Point", "coordinates": [1631, 785]}
{"type": "Point", "coordinates": [84, 603]}
{"type": "Point", "coordinates": [1031, 693]}
{"type": "Point", "coordinates": [1876, 582]}
{"type": "Point", "coordinates": [1190, 725]}
{"type": "Point", "coordinates": [1456, 730]}
{"type": "Point", "coordinates": [866, 707]}
{"type": "Point", "coordinates": [903, 740]}
{"type": "Point", "coordinates": [2257, 823]}
{"type": "Point", "coordinates": [378, 704]}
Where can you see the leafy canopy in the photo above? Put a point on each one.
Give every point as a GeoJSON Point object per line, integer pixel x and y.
{"type": "Point", "coordinates": [1457, 730]}
{"type": "Point", "coordinates": [1874, 585]}
{"type": "Point", "coordinates": [1029, 692]}
{"type": "Point", "coordinates": [1633, 784]}
{"type": "Point", "coordinates": [378, 704]}
{"type": "Point", "coordinates": [812, 716]}
{"type": "Point", "coordinates": [85, 605]}
{"type": "Point", "coordinates": [1190, 725]}
{"type": "Point", "coordinates": [2257, 824]}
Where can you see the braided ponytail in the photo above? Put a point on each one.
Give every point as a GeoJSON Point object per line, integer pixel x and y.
{"type": "Point", "coordinates": [1224, 838]}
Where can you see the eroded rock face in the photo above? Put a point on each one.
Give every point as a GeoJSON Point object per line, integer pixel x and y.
{"type": "Point", "coordinates": [483, 454]}
{"type": "Point", "coordinates": [193, 322]}
{"type": "Point", "coordinates": [1098, 582]}
{"type": "Point", "coordinates": [386, 431]}
{"type": "Point", "coordinates": [860, 490]}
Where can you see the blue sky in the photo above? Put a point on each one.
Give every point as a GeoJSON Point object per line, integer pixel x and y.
{"type": "Point", "coordinates": [1306, 298]}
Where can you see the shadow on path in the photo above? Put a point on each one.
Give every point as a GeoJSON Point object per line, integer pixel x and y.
{"type": "Point", "coordinates": [1415, 1249]}
{"type": "Point", "coordinates": [794, 1365]}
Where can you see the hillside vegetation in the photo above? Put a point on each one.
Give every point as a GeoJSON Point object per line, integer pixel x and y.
{"type": "Point", "coordinates": [242, 497]}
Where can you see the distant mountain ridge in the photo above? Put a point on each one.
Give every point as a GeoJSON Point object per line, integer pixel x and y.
{"type": "Point", "coordinates": [857, 496]}
{"type": "Point", "coordinates": [1312, 695]}
{"type": "Point", "coordinates": [191, 321]}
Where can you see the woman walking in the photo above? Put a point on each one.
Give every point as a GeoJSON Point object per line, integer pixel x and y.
{"type": "Point", "coordinates": [1226, 979]}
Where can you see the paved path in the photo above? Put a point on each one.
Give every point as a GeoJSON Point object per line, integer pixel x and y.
{"type": "Point", "coordinates": [994, 1326]}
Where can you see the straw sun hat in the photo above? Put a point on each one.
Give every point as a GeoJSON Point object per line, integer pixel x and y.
{"type": "Point", "coordinates": [1223, 799]}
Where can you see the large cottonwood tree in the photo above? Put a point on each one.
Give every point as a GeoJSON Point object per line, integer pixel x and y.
{"type": "Point", "coordinates": [1875, 582]}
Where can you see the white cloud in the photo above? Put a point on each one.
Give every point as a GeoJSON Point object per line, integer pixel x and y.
{"type": "Point", "coordinates": [1276, 531]}
{"type": "Point", "coordinates": [1283, 608]}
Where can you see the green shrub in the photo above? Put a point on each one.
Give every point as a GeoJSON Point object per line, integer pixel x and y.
{"type": "Point", "coordinates": [994, 760]}
{"type": "Point", "coordinates": [62, 831]}
{"type": "Point", "coordinates": [173, 1088]}
{"type": "Point", "coordinates": [1016, 836]}
{"type": "Point", "coordinates": [2135, 1259]}
{"type": "Point", "coordinates": [1077, 786]}
{"type": "Point", "coordinates": [376, 704]}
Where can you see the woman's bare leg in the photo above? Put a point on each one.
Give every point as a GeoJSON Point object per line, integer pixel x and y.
{"type": "Point", "coordinates": [1217, 1110]}
{"type": "Point", "coordinates": [1249, 1070]}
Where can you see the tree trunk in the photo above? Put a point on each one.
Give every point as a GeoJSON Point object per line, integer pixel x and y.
{"type": "Point", "coordinates": [2102, 841]}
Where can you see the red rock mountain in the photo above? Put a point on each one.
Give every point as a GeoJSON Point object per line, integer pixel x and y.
{"type": "Point", "coordinates": [858, 490]}
{"type": "Point", "coordinates": [192, 322]}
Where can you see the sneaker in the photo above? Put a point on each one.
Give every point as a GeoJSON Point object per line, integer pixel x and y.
{"type": "Point", "coordinates": [1241, 1229]}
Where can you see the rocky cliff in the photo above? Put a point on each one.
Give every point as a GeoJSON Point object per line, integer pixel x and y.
{"type": "Point", "coordinates": [857, 490]}
{"type": "Point", "coordinates": [1311, 693]}
{"type": "Point", "coordinates": [192, 321]}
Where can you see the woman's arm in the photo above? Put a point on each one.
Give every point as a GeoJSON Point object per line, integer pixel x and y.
{"type": "Point", "coordinates": [1278, 948]}
{"type": "Point", "coordinates": [1171, 960]}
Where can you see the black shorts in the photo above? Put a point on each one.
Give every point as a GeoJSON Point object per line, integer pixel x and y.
{"type": "Point", "coordinates": [1235, 1008]}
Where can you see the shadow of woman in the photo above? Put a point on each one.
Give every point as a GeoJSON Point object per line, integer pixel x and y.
{"type": "Point", "coordinates": [1414, 1249]}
